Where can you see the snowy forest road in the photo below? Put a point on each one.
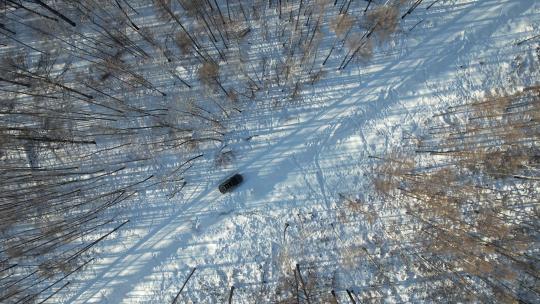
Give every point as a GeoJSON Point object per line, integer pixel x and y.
{"type": "Point", "coordinates": [130, 276]}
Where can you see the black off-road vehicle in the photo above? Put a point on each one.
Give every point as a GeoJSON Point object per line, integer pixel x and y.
{"type": "Point", "coordinates": [231, 183]}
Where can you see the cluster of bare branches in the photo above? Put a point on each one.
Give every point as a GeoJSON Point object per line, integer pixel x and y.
{"type": "Point", "coordinates": [469, 199]}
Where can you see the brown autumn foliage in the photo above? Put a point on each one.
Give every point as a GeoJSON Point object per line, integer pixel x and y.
{"type": "Point", "coordinates": [341, 24]}
{"type": "Point", "coordinates": [208, 74]}
{"type": "Point", "coordinates": [383, 20]}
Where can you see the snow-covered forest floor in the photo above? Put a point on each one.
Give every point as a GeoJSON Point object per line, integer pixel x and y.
{"type": "Point", "coordinates": [307, 148]}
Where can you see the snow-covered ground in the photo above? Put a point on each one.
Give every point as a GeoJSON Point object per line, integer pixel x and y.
{"type": "Point", "coordinates": [297, 159]}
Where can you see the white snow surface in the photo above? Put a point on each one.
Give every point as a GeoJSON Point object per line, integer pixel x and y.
{"type": "Point", "coordinates": [297, 159]}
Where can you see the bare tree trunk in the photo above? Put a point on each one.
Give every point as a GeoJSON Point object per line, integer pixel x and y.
{"type": "Point", "coordinates": [183, 285]}
{"type": "Point", "coordinates": [57, 13]}
{"type": "Point", "coordinates": [231, 294]}
{"type": "Point", "coordinates": [303, 284]}
{"type": "Point", "coordinates": [349, 293]}
{"type": "Point", "coordinates": [19, 5]}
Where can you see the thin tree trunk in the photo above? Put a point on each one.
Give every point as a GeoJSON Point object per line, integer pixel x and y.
{"type": "Point", "coordinates": [57, 13]}
{"type": "Point", "coordinates": [54, 293]}
{"type": "Point", "coordinates": [31, 10]}
{"type": "Point", "coordinates": [231, 294]}
{"type": "Point", "coordinates": [183, 285]}
{"type": "Point", "coordinates": [303, 284]}
{"type": "Point", "coordinates": [367, 6]}
{"type": "Point", "coordinates": [349, 292]}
